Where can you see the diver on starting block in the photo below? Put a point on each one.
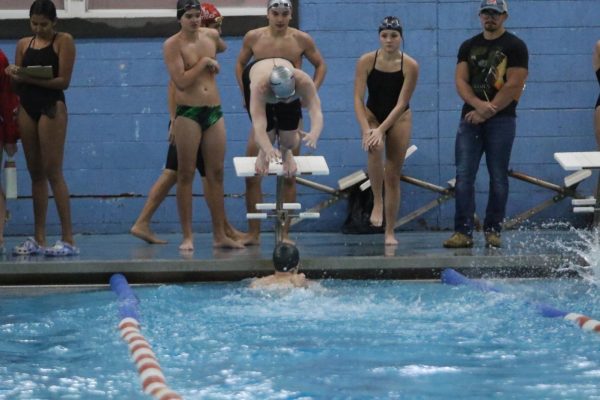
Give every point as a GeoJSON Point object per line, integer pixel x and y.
{"type": "Point", "coordinates": [274, 91]}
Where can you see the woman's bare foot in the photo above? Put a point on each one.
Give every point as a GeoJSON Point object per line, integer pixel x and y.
{"type": "Point", "coordinates": [227, 243]}
{"type": "Point", "coordinates": [187, 245]}
{"type": "Point", "coordinates": [287, 240]}
{"type": "Point", "coordinates": [390, 240]}
{"type": "Point", "coordinates": [146, 234]}
{"type": "Point", "coordinates": [377, 214]}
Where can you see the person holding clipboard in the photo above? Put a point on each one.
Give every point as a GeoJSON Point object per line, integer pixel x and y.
{"type": "Point", "coordinates": [42, 120]}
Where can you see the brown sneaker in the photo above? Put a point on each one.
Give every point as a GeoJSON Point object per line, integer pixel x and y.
{"type": "Point", "coordinates": [492, 239]}
{"type": "Point", "coordinates": [458, 240]}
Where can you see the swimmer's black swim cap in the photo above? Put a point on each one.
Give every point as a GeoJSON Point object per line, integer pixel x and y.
{"type": "Point", "coordinates": [285, 257]}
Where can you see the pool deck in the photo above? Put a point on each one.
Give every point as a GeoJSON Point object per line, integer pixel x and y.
{"type": "Point", "coordinates": [419, 255]}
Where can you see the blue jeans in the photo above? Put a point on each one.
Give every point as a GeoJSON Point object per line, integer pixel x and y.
{"type": "Point", "coordinates": [495, 138]}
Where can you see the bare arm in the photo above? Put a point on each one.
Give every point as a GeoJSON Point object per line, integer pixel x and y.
{"type": "Point", "coordinates": [512, 89]}
{"type": "Point", "coordinates": [310, 97]}
{"type": "Point", "coordinates": [216, 36]}
{"type": "Point", "coordinates": [360, 87]}
{"type": "Point", "coordinates": [313, 55]}
{"type": "Point", "coordinates": [243, 57]}
{"type": "Point", "coordinates": [484, 108]}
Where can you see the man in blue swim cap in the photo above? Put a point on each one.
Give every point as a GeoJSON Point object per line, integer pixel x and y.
{"type": "Point", "coordinates": [286, 260]}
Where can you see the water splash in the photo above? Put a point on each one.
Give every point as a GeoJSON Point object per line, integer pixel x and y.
{"type": "Point", "coordinates": [582, 246]}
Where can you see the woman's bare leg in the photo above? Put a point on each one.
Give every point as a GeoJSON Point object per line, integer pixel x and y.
{"type": "Point", "coordinates": [396, 144]}
{"type": "Point", "coordinates": [39, 183]}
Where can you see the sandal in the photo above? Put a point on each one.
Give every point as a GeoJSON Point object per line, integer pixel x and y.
{"type": "Point", "coordinates": [28, 248]}
{"type": "Point", "coordinates": [61, 249]}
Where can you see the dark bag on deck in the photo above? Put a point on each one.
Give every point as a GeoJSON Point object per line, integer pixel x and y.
{"type": "Point", "coordinates": [360, 205]}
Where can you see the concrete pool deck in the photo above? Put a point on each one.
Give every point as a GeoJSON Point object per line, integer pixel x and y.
{"type": "Point", "coordinates": [419, 255]}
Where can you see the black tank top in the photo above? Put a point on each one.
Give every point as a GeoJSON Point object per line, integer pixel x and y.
{"type": "Point", "coordinates": [37, 97]}
{"type": "Point", "coordinates": [384, 89]}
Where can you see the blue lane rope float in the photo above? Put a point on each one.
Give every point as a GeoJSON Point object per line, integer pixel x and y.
{"type": "Point", "coordinates": [149, 371]}
{"type": "Point", "coordinates": [450, 276]}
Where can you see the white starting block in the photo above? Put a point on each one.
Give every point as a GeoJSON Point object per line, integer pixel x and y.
{"type": "Point", "coordinates": [583, 162]}
{"type": "Point", "coordinates": [306, 165]}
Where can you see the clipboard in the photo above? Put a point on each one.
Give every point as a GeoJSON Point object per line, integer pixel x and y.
{"type": "Point", "coordinates": [37, 71]}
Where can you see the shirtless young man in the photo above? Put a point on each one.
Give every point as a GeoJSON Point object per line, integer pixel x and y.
{"type": "Point", "coordinates": [272, 89]}
{"type": "Point", "coordinates": [275, 40]}
{"type": "Point", "coordinates": [190, 59]}
{"type": "Point", "coordinates": [211, 18]}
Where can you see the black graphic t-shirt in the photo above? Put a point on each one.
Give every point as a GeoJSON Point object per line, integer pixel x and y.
{"type": "Point", "coordinates": [488, 61]}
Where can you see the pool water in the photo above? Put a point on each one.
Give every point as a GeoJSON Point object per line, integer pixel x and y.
{"type": "Point", "coordinates": [347, 340]}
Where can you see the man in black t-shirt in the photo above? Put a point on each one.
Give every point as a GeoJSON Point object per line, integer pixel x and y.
{"type": "Point", "coordinates": [490, 76]}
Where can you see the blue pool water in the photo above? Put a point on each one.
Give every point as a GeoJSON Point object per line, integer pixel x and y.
{"type": "Point", "coordinates": [350, 340]}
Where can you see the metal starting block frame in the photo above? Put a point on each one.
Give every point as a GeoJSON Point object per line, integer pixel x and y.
{"type": "Point", "coordinates": [583, 162]}
{"type": "Point", "coordinates": [280, 211]}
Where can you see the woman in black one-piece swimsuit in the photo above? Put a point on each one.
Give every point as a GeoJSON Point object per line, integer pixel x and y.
{"type": "Point", "coordinates": [390, 75]}
{"type": "Point", "coordinates": [43, 124]}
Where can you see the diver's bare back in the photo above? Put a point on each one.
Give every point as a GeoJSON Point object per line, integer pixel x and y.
{"type": "Point", "coordinates": [204, 90]}
{"type": "Point", "coordinates": [290, 46]}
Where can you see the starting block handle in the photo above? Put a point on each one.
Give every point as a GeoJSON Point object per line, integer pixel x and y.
{"type": "Point", "coordinates": [309, 215]}
{"type": "Point", "coordinates": [583, 210]}
{"type": "Point", "coordinates": [266, 206]}
{"type": "Point", "coordinates": [365, 185]}
{"type": "Point", "coordinates": [588, 201]}
{"type": "Point", "coordinates": [256, 215]}
{"type": "Point", "coordinates": [291, 206]}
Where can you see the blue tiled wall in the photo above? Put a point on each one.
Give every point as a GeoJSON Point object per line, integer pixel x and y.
{"type": "Point", "coordinates": [118, 120]}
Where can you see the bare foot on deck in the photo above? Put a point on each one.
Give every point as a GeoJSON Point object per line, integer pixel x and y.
{"type": "Point", "coordinates": [287, 240]}
{"type": "Point", "coordinates": [289, 165]}
{"type": "Point", "coordinates": [251, 240]}
{"type": "Point", "coordinates": [227, 243]}
{"type": "Point", "coordinates": [390, 240]}
{"type": "Point", "coordinates": [239, 236]}
{"type": "Point", "coordinates": [187, 245]}
{"type": "Point", "coordinates": [146, 234]}
{"type": "Point", "coordinates": [376, 215]}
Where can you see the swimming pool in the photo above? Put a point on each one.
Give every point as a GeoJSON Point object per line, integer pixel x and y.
{"type": "Point", "coordinates": [350, 340]}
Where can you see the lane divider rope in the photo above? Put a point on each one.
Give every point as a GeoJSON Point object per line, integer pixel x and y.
{"type": "Point", "coordinates": [151, 376]}
{"type": "Point", "coordinates": [450, 276]}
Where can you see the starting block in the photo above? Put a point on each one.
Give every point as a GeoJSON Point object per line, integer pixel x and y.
{"type": "Point", "coordinates": [306, 165]}
{"type": "Point", "coordinates": [568, 189]}
{"type": "Point", "coordinates": [583, 162]}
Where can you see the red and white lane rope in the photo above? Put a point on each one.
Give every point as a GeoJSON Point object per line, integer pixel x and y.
{"type": "Point", "coordinates": [151, 376]}
{"type": "Point", "coordinates": [584, 322]}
